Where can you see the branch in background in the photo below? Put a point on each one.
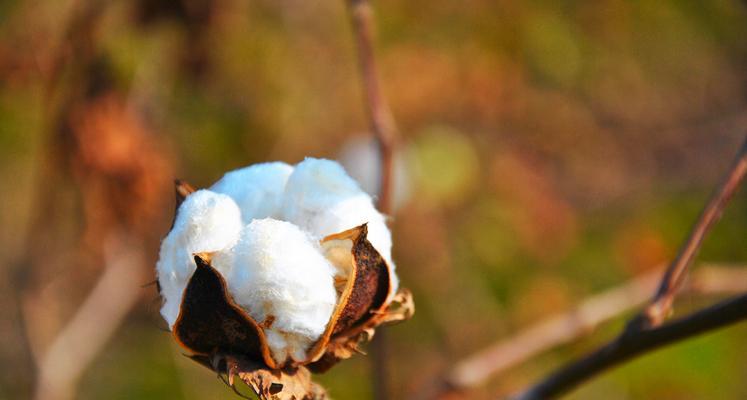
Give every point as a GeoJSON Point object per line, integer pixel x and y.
{"type": "Point", "coordinates": [566, 327]}
{"type": "Point", "coordinates": [629, 346]}
{"type": "Point", "coordinates": [94, 322]}
{"type": "Point", "coordinates": [644, 332]}
{"type": "Point", "coordinates": [382, 125]}
{"type": "Point", "coordinates": [661, 305]}
{"type": "Point", "coordinates": [380, 117]}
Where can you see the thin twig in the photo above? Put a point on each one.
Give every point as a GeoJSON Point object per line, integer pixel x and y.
{"type": "Point", "coordinates": [637, 336]}
{"type": "Point", "coordinates": [94, 323]}
{"type": "Point", "coordinates": [629, 346]}
{"type": "Point", "coordinates": [661, 305]}
{"type": "Point", "coordinates": [565, 327]}
{"type": "Point", "coordinates": [382, 125]}
{"type": "Point", "coordinates": [380, 117]}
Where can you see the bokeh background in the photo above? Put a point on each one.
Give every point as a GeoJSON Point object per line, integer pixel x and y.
{"type": "Point", "coordinates": [550, 150]}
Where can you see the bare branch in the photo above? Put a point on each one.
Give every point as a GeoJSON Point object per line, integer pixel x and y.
{"type": "Point", "coordinates": [94, 323]}
{"type": "Point", "coordinates": [382, 125]}
{"type": "Point", "coordinates": [571, 325]}
{"type": "Point", "coordinates": [630, 345]}
{"type": "Point", "coordinates": [644, 331]}
{"type": "Point", "coordinates": [661, 305]}
{"type": "Point", "coordinates": [380, 117]}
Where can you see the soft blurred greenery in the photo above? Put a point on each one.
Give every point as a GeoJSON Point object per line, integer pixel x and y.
{"type": "Point", "coordinates": [552, 150]}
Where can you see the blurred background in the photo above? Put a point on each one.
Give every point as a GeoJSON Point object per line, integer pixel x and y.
{"type": "Point", "coordinates": [550, 151]}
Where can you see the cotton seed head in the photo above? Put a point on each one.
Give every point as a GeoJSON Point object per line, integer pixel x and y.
{"type": "Point", "coordinates": [262, 226]}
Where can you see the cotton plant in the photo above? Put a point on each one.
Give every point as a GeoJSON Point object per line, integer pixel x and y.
{"type": "Point", "coordinates": [277, 270]}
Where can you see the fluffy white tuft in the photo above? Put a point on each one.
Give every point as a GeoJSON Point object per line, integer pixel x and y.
{"type": "Point", "coordinates": [278, 274]}
{"type": "Point", "coordinates": [257, 189]}
{"type": "Point", "coordinates": [205, 222]}
{"type": "Point", "coordinates": [323, 199]}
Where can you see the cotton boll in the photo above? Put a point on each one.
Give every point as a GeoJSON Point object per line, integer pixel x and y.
{"type": "Point", "coordinates": [257, 189]}
{"type": "Point", "coordinates": [205, 222]}
{"type": "Point", "coordinates": [280, 277]}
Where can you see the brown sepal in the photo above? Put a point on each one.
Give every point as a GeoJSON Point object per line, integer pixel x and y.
{"type": "Point", "coordinates": [342, 347]}
{"type": "Point", "coordinates": [368, 283]}
{"type": "Point", "coordinates": [210, 322]}
{"type": "Point", "coordinates": [284, 384]}
{"type": "Point", "coordinates": [363, 301]}
{"type": "Point", "coordinates": [182, 189]}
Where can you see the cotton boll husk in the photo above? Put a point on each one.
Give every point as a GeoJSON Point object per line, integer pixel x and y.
{"type": "Point", "coordinates": [257, 189]}
{"type": "Point", "coordinates": [322, 199]}
{"type": "Point", "coordinates": [205, 222]}
{"type": "Point", "coordinates": [278, 271]}
{"type": "Point", "coordinates": [353, 212]}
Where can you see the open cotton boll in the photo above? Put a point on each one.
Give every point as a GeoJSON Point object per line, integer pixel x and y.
{"type": "Point", "coordinates": [257, 189]}
{"type": "Point", "coordinates": [205, 222]}
{"type": "Point", "coordinates": [280, 277]}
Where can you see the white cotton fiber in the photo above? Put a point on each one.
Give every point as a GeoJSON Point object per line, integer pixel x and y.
{"type": "Point", "coordinates": [278, 272]}
{"type": "Point", "coordinates": [205, 222]}
{"type": "Point", "coordinates": [257, 189]}
{"type": "Point", "coordinates": [315, 185]}
{"type": "Point", "coordinates": [322, 199]}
